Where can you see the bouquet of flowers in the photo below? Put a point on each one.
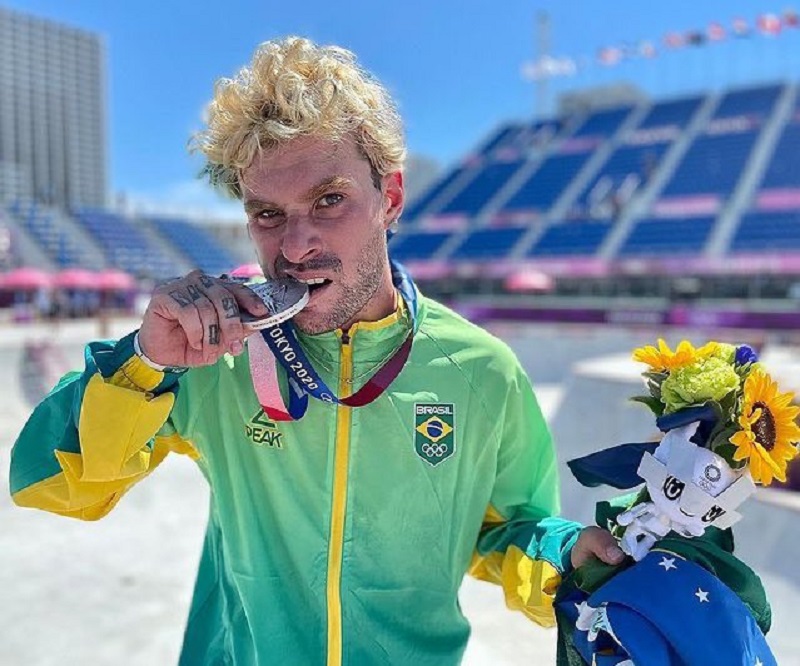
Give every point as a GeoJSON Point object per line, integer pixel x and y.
{"type": "Point", "coordinates": [727, 427]}
{"type": "Point", "coordinates": [682, 596]}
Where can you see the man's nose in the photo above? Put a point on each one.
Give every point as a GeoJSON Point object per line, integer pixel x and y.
{"type": "Point", "coordinates": [300, 240]}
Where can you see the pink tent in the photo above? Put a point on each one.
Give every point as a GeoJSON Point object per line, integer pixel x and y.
{"type": "Point", "coordinates": [529, 280]}
{"type": "Point", "coordinates": [246, 271]}
{"type": "Point", "coordinates": [113, 280]}
{"type": "Point", "coordinates": [76, 278]}
{"type": "Point", "coordinates": [25, 279]}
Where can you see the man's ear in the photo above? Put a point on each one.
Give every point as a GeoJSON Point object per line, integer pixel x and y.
{"type": "Point", "coordinates": [394, 195]}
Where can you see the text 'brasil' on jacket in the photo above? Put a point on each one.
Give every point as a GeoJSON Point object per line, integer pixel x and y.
{"type": "Point", "coordinates": [341, 538]}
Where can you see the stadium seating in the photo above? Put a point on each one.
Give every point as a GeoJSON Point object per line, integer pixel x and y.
{"type": "Point", "coordinates": [754, 102]}
{"type": "Point", "coordinates": [470, 200]}
{"type": "Point", "coordinates": [713, 165]}
{"type": "Point", "coordinates": [417, 245]}
{"type": "Point", "coordinates": [603, 123]}
{"type": "Point", "coordinates": [767, 232]}
{"type": "Point", "coordinates": [484, 244]}
{"type": "Point", "coordinates": [667, 237]}
{"type": "Point", "coordinates": [125, 245]}
{"type": "Point", "coordinates": [575, 238]}
{"type": "Point", "coordinates": [784, 167]}
{"type": "Point", "coordinates": [675, 113]}
{"type": "Point", "coordinates": [416, 207]}
{"type": "Point", "coordinates": [543, 188]}
{"type": "Point", "coordinates": [198, 245]}
{"type": "Point", "coordinates": [61, 247]}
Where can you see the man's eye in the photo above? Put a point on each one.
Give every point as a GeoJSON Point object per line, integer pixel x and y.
{"type": "Point", "coordinates": [267, 218]}
{"type": "Point", "coordinates": [327, 200]}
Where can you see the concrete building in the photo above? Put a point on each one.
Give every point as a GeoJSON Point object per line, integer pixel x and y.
{"type": "Point", "coordinates": [52, 113]}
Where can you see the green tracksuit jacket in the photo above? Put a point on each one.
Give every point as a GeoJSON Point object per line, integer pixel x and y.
{"type": "Point", "coordinates": [341, 538]}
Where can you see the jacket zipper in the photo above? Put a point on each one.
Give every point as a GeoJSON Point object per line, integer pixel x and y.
{"type": "Point", "coordinates": [339, 507]}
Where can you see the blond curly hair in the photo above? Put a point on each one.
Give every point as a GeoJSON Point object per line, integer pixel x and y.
{"type": "Point", "coordinates": [295, 88]}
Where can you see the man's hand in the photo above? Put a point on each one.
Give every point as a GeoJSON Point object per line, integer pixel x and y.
{"type": "Point", "coordinates": [194, 320]}
{"type": "Point", "coordinates": [597, 543]}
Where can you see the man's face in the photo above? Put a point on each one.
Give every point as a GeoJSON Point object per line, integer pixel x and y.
{"type": "Point", "coordinates": [315, 214]}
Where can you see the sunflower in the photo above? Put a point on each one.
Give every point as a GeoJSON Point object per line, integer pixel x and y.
{"type": "Point", "coordinates": [664, 359]}
{"type": "Point", "coordinates": [769, 431]}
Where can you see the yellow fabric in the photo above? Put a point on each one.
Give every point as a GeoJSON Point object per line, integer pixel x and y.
{"type": "Point", "coordinates": [339, 506]}
{"type": "Point", "coordinates": [135, 374]}
{"type": "Point", "coordinates": [69, 495]}
{"type": "Point", "coordinates": [114, 425]}
{"type": "Point", "coordinates": [529, 585]}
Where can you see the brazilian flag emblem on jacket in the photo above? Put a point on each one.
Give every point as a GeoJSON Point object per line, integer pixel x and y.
{"type": "Point", "coordinates": [434, 431]}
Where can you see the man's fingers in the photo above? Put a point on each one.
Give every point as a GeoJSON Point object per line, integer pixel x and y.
{"type": "Point", "coordinates": [188, 316]}
{"type": "Point", "coordinates": [598, 543]}
{"type": "Point", "coordinates": [231, 331]}
{"type": "Point", "coordinates": [246, 299]}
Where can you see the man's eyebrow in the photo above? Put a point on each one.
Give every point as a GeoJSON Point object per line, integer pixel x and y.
{"type": "Point", "coordinates": [332, 183]}
{"type": "Point", "coordinates": [252, 206]}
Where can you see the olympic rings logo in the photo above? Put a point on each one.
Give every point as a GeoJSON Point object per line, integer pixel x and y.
{"type": "Point", "coordinates": [434, 450]}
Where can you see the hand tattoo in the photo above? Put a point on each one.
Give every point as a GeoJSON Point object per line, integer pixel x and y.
{"type": "Point", "coordinates": [230, 307]}
{"type": "Point", "coordinates": [206, 281]}
{"type": "Point", "coordinates": [194, 292]}
{"type": "Point", "coordinates": [213, 334]}
{"type": "Point", "coordinates": [180, 298]}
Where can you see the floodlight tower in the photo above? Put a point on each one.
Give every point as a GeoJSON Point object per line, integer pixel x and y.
{"type": "Point", "coordinates": [542, 41]}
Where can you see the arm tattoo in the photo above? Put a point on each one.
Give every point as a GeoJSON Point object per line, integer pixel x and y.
{"type": "Point", "coordinates": [206, 281]}
{"type": "Point", "coordinates": [213, 334]}
{"type": "Point", "coordinates": [180, 298]}
{"type": "Point", "coordinates": [194, 292]}
{"type": "Point", "coordinates": [230, 307]}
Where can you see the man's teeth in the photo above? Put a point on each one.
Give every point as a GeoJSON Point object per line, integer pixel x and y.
{"type": "Point", "coordinates": [311, 281]}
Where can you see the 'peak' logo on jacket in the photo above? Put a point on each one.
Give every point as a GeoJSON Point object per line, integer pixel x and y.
{"type": "Point", "coordinates": [434, 437]}
{"type": "Point", "coordinates": [263, 432]}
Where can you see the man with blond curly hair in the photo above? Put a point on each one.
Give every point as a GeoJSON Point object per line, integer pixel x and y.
{"type": "Point", "coordinates": [340, 528]}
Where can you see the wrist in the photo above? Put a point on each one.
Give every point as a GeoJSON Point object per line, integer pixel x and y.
{"type": "Point", "coordinates": [137, 349]}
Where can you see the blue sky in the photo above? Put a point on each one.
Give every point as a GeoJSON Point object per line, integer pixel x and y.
{"type": "Point", "coordinates": [455, 67]}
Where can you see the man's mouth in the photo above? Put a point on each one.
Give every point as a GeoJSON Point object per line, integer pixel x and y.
{"type": "Point", "coordinates": [314, 284]}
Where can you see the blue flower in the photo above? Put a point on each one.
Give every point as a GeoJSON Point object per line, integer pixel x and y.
{"type": "Point", "coordinates": [745, 354]}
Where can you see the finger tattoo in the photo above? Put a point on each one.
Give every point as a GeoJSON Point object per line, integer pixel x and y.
{"type": "Point", "coordinates": [206, 281]}
{"type": "Point", "coordinates": [213, 334]}
{"type": "Point", "coordinates": [194, 292]}
{"type": "Point", "coordinates": [180, 298]}
{"type": "Point", "coordinates": [230, 307]}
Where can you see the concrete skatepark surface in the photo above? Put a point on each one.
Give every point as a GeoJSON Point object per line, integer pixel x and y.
{"type": "Point", "coordinates": [117, 591]}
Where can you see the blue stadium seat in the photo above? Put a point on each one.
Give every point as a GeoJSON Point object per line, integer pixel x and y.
{"type": "Point", "coordinates": [505, 135]}
{"type": "Point", "coordinates": [603, 123]}
{"type": "Point", "coordinates": [126, 247]}
{"type": "Point", "coordinates": [767, 232]}
{"type": "Point", "coordinates": [492, 243]}
{"type": "Point", "coordinates": [637, 161]}
{"type": "Point", "coordinates": [674, 112]}
{"type": "Point", "coordinates": [412, 212]}
{"type": "Point", "coordinates": [757, 102]}
{"type": "Point", "coordinates": [61, 247]}
{"type": "Point", "coordinates": [482, 188]}
{"type": "Point", "coordinates": [417, 245]}
{"type": "Point", "coordinates": [198, 245]}
{"type": "Point", "coordinates": [686, 236]}
{"type": "Point", "coordinates": [712, 165]}
{"type": "Point", "coordinates": [578, 238]}
{"type": "Point", "coordinates": [783, 170]}
{"type": "Point", "coordinates": [542, 189]}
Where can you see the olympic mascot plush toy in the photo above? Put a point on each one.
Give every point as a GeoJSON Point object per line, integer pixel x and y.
{"type": "Point", "coordinates": [681, 597]}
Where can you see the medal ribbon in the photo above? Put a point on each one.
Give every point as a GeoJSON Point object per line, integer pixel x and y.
{"type": "Point", "coordinates": [279, 343]}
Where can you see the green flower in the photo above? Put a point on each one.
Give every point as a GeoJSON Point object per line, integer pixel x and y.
{"type": "Point", "coordinates": [709, 379]}
{"type": "Point", "coordinates": [725, 352]}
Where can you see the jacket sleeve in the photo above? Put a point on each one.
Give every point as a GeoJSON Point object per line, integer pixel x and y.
{"type": "Point", "coordinates": [522, 545]}
{"type": "Point", "coordinates": [96, 434]}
